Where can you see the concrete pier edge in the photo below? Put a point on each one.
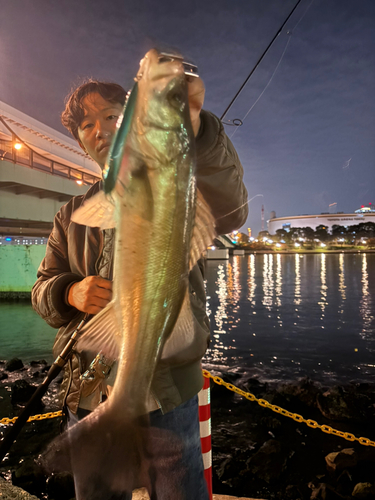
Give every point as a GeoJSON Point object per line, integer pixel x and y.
{"type": "Point", "coordinates": [10, 492]}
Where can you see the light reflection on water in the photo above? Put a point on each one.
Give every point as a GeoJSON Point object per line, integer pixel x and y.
{"type": "Point", "coordinates": [287, 316]}
{"type": "Point", "coordinates": [273, 316]}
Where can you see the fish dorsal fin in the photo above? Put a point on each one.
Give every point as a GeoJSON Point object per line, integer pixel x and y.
{"type": "Point", "coordinates": [102, 334]}
{"type": "Point", "coordinates": [97, 211]}
{"type": "Point", "coordinates": [203, 231]}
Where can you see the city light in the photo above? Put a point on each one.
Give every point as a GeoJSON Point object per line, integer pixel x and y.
{"type": "Point", "coordinates": [17, 145]}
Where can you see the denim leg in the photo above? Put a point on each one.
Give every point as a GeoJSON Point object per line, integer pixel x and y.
{"type": "Point", "coordinates": [177, 471]}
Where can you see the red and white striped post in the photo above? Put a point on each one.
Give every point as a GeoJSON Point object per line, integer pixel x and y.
{"type": "Point", "coordinates": [205, 431]}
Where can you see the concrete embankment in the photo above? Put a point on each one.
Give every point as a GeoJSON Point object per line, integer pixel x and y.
{"type": "Point", "coordinates": [18, 265]}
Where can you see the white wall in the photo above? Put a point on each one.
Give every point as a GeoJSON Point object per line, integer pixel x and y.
{"type": "Point", "coordinates": [314, 221]}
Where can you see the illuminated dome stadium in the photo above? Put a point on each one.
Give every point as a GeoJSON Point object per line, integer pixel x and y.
{"type": "Point", "coordinates": [362, 215]}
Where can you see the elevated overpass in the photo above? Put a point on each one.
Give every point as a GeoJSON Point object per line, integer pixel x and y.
{"type": "Point", "coordinates": [36, 179]}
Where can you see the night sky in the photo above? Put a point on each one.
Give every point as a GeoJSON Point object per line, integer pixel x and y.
{"type": "Point", "coordinates": [307, 143]}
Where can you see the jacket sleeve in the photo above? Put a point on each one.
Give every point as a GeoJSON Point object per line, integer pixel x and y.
{"type": "Point", "coordinates": [55, 277]}
{"type": "Point", "coordinates": [220, 175]}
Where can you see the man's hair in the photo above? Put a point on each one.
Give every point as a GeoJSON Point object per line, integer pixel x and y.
{"type": "Point", "coordinates": [73, 113]}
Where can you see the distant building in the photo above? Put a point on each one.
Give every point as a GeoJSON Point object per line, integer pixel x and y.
{"type": "Point", "coordinates": [362, 215]}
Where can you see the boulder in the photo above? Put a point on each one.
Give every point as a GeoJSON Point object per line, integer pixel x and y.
{"type": "Point", "coordinates": [269, 462]}
{"type": "Point", "coordinates": [60, 486]}
{"type": "Point", "coordinates": [22, 392]}
{"type": "Point", "coordinates": [13, 365]}
{"type": "Point", "coordinates": [343, 404]}
{"type": "Point", "coordinates": [29, 477]}
{"type": "Point", "coordinates": [364, 490]}
{"type": "Point", "coordinates": [39, 362]}
{"type": "Point", "coordinates": [10, 492]}
{"type": "Point", "coordinates": [325, 492]}
{"type": "Point", "coordinates": [341, 460]}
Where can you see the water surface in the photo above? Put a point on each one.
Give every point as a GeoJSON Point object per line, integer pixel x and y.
{"type": "Point", "coordinates": [287, 316]}
{"type": "Point", "coordinates": [277, 317]}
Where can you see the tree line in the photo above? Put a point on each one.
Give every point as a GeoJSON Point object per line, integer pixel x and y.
{"type": "Point", "coordinates": [356, 235]}
{"type": "Point", "coordinates": [349, 235]}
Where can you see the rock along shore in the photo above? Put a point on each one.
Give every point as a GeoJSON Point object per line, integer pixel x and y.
{"type": "Point", "coordinates": [256, 453]}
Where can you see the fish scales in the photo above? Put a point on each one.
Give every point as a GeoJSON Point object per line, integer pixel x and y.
{"type": "Point", "coordinates": [152, 197]}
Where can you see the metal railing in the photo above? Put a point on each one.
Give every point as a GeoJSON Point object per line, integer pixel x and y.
{"type": "Point", "coordinates": [28, 157]}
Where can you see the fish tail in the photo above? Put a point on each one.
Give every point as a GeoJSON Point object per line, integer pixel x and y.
{"type": "Point", "coordinates": [108, 456]}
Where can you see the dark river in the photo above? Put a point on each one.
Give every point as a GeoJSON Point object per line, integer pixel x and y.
{"type": "Point", "coordinates": [277, 317]}
{"type": "Point", "coordinates": [280, 317]}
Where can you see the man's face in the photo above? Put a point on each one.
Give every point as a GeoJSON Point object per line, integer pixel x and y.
{"type": "Point", "coordinates": [98, 126]}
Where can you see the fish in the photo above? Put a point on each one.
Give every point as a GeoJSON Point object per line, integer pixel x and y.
{"type": "Point", "coordinates": [162, 227]}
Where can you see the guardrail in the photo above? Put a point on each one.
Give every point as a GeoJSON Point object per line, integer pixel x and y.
{"type": "Point", "coordinates": [26, 156]}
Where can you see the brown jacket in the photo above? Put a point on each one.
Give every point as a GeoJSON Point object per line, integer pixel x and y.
{"type": "Point", "coordinates": [74, 252]}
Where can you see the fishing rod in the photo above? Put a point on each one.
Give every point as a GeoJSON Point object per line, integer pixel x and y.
{"type": "Point", "coordinates": [239, 122]}
{"type": "Point", "coordinates": [56, 367]}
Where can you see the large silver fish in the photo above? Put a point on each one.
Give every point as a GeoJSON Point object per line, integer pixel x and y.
{"type": "Point", "coordinates": [162, 227]}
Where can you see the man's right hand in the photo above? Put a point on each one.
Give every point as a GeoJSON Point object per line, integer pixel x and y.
{"type": "Point", "coordinates": [90, 295]}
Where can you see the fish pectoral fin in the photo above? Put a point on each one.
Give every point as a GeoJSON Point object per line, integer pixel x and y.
{"type": "Point", "coordinates": [97, 211]}
{"type": "Point", "coordinates": [182, 336]}
{"type": "Point", "coordinates": [102, 334]}
{"type": "Point", "coordinates": [203, 230]}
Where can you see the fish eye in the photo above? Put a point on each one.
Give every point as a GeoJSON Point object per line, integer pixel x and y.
{"type": "Point", "coordinates": [165, 59]}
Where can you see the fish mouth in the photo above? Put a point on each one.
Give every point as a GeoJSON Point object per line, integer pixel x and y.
{"type": "Point", "coordinates": [175, 93]}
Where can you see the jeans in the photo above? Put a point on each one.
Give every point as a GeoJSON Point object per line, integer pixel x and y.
{"type": "Point", "coordinates": [176, 470]}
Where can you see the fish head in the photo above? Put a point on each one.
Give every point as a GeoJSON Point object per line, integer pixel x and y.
{"type": "Point", "coordinates": [162, 114]}
{"type": "Point", "coordinates": [155, 129]}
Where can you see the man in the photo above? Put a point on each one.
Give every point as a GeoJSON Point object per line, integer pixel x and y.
{"type": "Point", "coordinates": [75, 278]}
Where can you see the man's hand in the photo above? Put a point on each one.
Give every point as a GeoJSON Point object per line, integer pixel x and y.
{"type": "Point", "coordinates": [196, 93]}
{"type": "Point", "coordinates": [90, 295]}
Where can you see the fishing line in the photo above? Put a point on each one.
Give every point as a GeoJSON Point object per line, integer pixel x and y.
{"type": "Point", "coordinates": [289, 32]}
{"type": "Point", "coordinates": [265, 88]}
{"type": "Point", "coordinates": [258, 62]}
{"type": "Point", "coordinates": [238, 208]}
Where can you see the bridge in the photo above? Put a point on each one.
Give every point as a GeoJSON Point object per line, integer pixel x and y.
{"type": "Point", "coordinates": [40, 170]}
{"type": "Point", "coordinates": [223, 241]}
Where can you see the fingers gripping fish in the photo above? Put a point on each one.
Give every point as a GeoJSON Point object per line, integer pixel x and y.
{"type": "Point", "coordinates": [162, 227]}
